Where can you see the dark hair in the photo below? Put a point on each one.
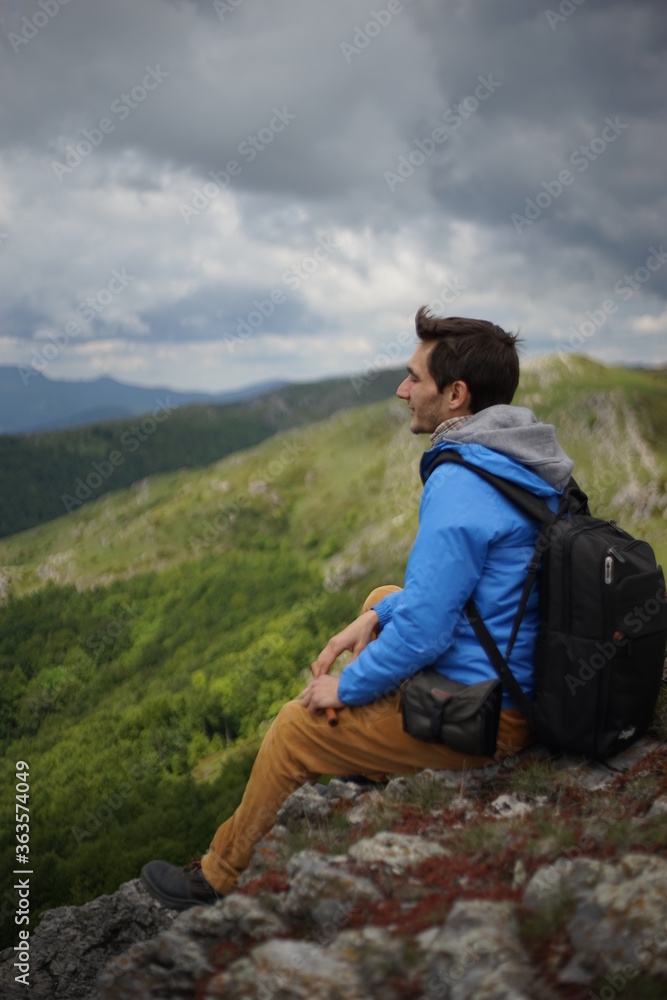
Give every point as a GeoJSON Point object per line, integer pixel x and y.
{"type": "Point", "coordinates": [475, 351]}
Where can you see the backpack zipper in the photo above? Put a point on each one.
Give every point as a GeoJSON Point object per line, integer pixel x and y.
{"type": "Point", "coordinates": [609, 568]}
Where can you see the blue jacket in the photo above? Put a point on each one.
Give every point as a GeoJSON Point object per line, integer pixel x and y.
{"type": "Point", "coordinates": [470, 541]}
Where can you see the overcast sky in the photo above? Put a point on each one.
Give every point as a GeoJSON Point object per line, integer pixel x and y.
{"type": "Point", "coordinates": [209, 194]}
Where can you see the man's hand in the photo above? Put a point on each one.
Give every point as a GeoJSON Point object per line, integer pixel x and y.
{"type": "Point", "coordinates": [354, 638]}
{"type": "Point", "coordinates": [321, 693]}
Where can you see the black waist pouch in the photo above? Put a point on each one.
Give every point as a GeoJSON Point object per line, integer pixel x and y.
{"type": "Point", "coordinates": [464, 717]}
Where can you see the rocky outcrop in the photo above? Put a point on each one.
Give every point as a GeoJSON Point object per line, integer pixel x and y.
{"type": "Point", "coordinates": [619, 925]}
{"type": "Point", "coordinates": [542, 879]}
{"type": "Point", "coordinates": [73, 944]}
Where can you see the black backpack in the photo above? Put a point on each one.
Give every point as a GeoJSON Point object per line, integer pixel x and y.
{"type": "Point", "coordinates": [603, 625]}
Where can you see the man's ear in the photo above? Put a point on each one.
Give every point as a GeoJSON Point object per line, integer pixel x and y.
{"type": "Point", "coordinates": [459, 397]}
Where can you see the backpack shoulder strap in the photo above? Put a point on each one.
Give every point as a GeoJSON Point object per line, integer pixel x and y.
{"type": "Point", "coordinates": [573, 500]}
{"type": "Point", "coordinates": [499, 662]}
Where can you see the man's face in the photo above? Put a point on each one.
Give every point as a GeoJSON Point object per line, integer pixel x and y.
{"type": "Point", "coordinates": [428, 406]}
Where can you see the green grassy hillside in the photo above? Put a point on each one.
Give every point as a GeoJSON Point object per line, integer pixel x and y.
{"type": "Point", "coordinates": [147, 636]}
{"type": "Point", "coordinates": [48, 474]}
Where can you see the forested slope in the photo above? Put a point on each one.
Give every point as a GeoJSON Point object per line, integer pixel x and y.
{"type": "Point", "coordinates": [50, 473]}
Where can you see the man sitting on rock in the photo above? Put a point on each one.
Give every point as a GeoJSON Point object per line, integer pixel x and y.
{"type": "Point", "coordinates": [471, 541]}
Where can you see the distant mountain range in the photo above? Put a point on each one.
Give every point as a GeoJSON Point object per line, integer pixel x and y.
{"type": "Point", "coordinates": [30, 402]}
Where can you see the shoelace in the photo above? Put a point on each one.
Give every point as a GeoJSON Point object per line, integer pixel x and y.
{"type": "Point", "coordinates": [193, 866]}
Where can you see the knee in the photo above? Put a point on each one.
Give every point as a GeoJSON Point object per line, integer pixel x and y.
{"type": "Point", "coordinates": [290, 712]}
{"type": "Point", "coordinates": [378, 595]}
{"type": "Point", "coordinates": [289, 719]}
{"type": "Point", "coordinates": [284, 732]}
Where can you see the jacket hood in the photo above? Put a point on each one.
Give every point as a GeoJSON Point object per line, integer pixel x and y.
{"type": "Point", "coordinates": [515, 432]}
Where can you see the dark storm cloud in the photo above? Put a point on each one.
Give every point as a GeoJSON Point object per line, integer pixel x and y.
{"type": "Point", "coordinates": [207, 147]}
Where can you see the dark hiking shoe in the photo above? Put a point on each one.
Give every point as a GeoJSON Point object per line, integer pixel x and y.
{"type": "Point", "coordinates": [178, 888]}
{"type": "Point", "coordinates": [362, 780]}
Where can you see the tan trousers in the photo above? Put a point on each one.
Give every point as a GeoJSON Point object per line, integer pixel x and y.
{"type": "Point", "coordinates": [299, 747]}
